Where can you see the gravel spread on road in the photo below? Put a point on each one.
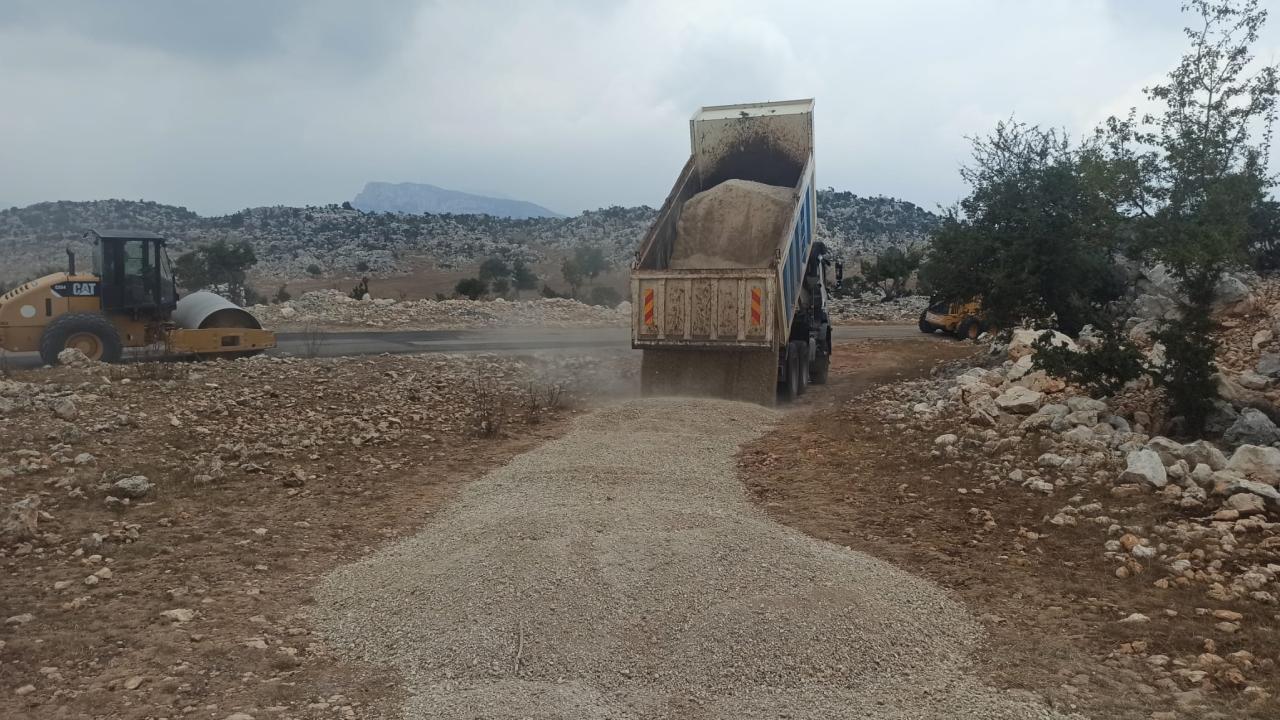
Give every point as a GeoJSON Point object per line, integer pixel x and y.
{"type": "Point", "coordinates": [622, 572]}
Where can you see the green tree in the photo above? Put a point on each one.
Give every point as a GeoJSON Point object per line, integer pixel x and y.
{"type": "Point", "coordinates": [591, 260]}
{"type": "Point", "coordinates": [494, 268]}
{"type": "Point", "coordinates": [1195, 181]}
{"type": "Point", "coordinates": [573, 274]}
{"type": "Point", "coordinates": [1035, 236]}
{"type": "Point", "coordinates": [219, 266]}
{"type": "Point", "coordinates": [1190, 181]}
{"type": "Point", "coordinates": [282, 295]}
{"type": "Point", "coordinates": [500, 286]}
{"type": "Point", "coordinates": [892, 269]}
{"type": "Point", "coordinates": [471, 288]}
{"type": "Point", "coordinates": [314, 270]}
{"type": "Point", "coordinates": [523, 277]}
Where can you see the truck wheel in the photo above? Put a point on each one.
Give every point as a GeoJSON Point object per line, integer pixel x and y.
{"type": "Point", "coordinates": [802, 365]}
{"type": "Point", "coordinates": [90, 333]}
{"type": "Point", "coordinates": [820, 369]}
{"type": "Point", "coordinates": [791, 387]}
{"type": "Point", "coordinates": [926, 327]}
{"type": "Point", "coordinates": [969, 329]}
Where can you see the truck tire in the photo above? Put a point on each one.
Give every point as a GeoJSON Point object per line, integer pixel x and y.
{"type": "Point", "coordinates": [791, 385]}
{"type": "Point", "coordinates": [969, 329]}
{"type": "Point", "coordinates": [820, 368]}
{"type": "Point", "coordinates": [90, 333]}
{"type": "Point", "coordinates": [926, 327]}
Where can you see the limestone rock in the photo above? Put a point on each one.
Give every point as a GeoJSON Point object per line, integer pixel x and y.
{"type": "Point", "coordinates": [1019, 400]}
{"type": "Point", "coordinates": [1144, 467]}
{"type": "Point", "coordinates": [132, 487]}
{"type": "Point", "coordinates": [1252, 428]}
{"type": "Point", "coordinates": [1258, 463]}
{"type": "Point", "coordinates": [1021, 344]}
{"type": "Point", "coordinates": [19, 523]}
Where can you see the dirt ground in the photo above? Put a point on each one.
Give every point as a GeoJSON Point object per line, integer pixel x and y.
{"type": "Point", "coordinates": [1048, 600]}
{"type": "Point", "coordinates": [356, 457]}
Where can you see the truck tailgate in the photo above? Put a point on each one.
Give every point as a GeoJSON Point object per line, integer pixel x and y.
{"type": "Point", "coordinates": [703, 308]}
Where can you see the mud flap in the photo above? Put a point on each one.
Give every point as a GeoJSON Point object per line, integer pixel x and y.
{"type": "Point", "coordinates": [743, 375]}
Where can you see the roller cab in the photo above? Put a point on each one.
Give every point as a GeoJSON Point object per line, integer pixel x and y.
{"type": "Point", "coordinates": [127, 299]}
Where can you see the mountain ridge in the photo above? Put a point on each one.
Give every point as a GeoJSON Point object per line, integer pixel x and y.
{"type": "Point", "coordinates": [422, 198]}
{"type": "Point", "coordinates": [341, 240]}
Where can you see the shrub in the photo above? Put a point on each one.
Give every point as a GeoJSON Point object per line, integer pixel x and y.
{"type": "Point", "coordinates": [605, 296]}
{"type": "Point", "coordinates": [1104, 370]}
{"type": "Point", "coordinates": [314, 270]}
{"type": "Point", "coordinates": [471, 288]}
{"type": "Point", "coordinates": [360, 290]}
{"type": "Point", "coordinates": [282, 295]}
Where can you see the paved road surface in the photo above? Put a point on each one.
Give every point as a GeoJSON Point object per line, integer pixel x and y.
{"type": "Point", "coordinates": [335, 344]}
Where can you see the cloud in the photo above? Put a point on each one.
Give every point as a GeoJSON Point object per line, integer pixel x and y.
{"type": "Point", "coordinates": [572, 105]}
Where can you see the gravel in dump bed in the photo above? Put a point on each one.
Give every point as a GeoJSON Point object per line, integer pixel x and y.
{"type": "Point", "coordinates": [622, 572]}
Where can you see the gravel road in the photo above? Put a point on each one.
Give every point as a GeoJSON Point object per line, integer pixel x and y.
{"type": "Point", "coordinates": [621, 572]}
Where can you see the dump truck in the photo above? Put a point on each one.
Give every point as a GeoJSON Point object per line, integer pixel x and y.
{"type": "Point", "coordinates": [128, 300]}
{"type": "Point", "coordinates": [755, 330]}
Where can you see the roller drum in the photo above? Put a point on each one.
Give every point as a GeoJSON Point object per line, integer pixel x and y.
{"type": "Point", "coordinates": [201, 310]}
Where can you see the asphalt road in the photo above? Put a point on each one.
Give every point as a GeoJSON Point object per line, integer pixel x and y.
{"type": "Point", "coordinates": [336, 344]}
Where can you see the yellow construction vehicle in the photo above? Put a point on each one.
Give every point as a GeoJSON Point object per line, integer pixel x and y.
{"type": "Point", "coordinates": [129, 300]}
{"type": "Point", "coordinates": [961, 319]}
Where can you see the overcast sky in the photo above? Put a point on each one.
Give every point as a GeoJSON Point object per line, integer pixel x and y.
{"type": "Point", "coordinates": [574, 105]}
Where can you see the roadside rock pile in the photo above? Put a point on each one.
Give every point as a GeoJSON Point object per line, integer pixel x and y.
{"type": "Point", "coordinates": [1000, 414]}
{"type": "Point", "coordinates": [869, 307]}
{"type": "Point", "coordinates": [1175, 516]}
{"type": "Point", "coordinates": [334, 309]}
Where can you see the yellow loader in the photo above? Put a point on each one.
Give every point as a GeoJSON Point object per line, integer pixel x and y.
{"type": "Point", "coordinates": [128, 300]}
{"type": "Point", "coordinates": [962, 319]}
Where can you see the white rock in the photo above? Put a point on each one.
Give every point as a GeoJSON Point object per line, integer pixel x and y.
{"type": "Point", "coordinates": [1136, 618]}
{"type": "Point", "coordinates": [1019, 400]}
{"type": "Point", "coordinates": [1050, 460]}
{"type": "Point", "coordinates": [946, 440]}
{"type": "Point", "coordinates": [1246, 503]}
{"type": "Point", "coordinates": [132, 487]}
{"type": "Point", "coordinates": [1145, 468]}
{"type": "Point", "coordinates": [1203, 451]}
{"type": "Point", "coordinates": [65, 408]}
{"type": "Point", "coordinates": [178, 615]}
{"type": "Point", "coordinates": [1080, 435]}
{"type": "Point", "coordinates": [1259, 463]}
{"type": "Point", "coordinates": [1020, 344]}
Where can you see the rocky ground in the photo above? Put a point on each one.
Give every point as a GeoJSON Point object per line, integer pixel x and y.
{"type": "Point", "coordinates": [331, 309]}
{"type": "Point", "coordinates": [1123, 573]}
{"type": "Point", "coordinates": [162, 524]}
{"type": "Point", "coordinates": [869, 307]}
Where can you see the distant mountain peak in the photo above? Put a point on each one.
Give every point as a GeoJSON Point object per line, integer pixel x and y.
{"type": "Point", "coordinates": [420, 198]}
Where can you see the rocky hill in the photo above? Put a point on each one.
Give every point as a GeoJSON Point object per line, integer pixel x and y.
{"type": "Point", "coordinates": [868, 225]}
{"type": "Point", "coordinates": [418, 198]}
{"type": "Point", "coordinates": [343, 240]}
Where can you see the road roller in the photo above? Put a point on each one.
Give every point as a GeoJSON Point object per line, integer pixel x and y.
{"type": "Point", "coordinates": [128, 299]}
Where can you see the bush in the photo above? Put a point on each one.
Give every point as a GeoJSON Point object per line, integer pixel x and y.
{"type": "Point", "coordinates": [1103, 370]}
{"type": "Point", "coordinates": [314, 270]}
{"type": "Point", "coordinates": [362, 266]}
{"type": "Point", "coordinates": [471, 288]}
{"type": "Point", "coordinates": [549, 292]}
{"type": "Point", "coordinates": [282, 295]}
{"type": "Point", "coordinates": [605, 297]}
{"type": "Point", "coordinates": [359, 291]}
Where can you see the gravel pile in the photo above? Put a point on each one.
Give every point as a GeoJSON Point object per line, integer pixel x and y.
{"type": "Point", "coordinates": [334, 309]}
{"type": "Point", "coordinates": [621, 571]}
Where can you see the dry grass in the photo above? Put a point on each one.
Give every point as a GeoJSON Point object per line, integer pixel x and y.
{"type": "Point", "coordinates": [489, 410]}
